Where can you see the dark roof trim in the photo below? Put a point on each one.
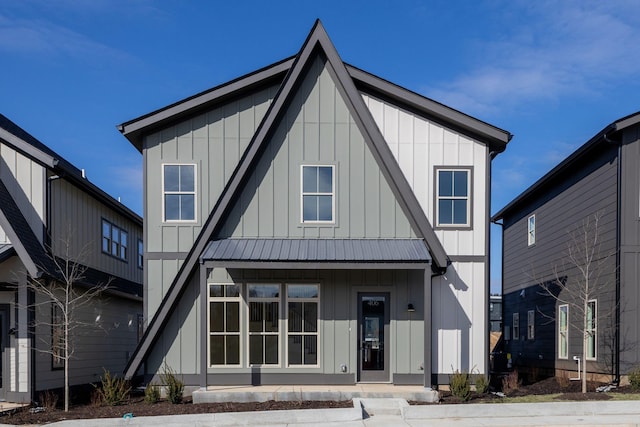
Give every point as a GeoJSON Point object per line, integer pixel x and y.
{"type": "Point", "coordinates": [601, 137]}
{"type": "Point", "coordinates": [496, 138]}
{"type": "Point", "coordinates": [317, 39]}
{"type": "Point", "coordinates": [6, 251]}
{"type": "Point", "coordinates": [134, 129]}
{"type": "Point", "coordinates": [300, 265]}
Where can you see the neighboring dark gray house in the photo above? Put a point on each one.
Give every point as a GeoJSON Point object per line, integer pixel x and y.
{"type": "Point", "coordinates": [312, 223]}
{"type": "Point", "coordinates": [495, 313]}
{"type": "Point", "coordinates": [601, 178]}
{"type": "Point", "coordinates": [49, 209]}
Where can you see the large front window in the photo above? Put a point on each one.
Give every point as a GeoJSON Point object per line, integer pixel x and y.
{"type": "Point", "coordinates": [264, 317]}
{"type": "Point", "coordinates": [179, 192]}
{"type": "Point", "coordinates": [453, 198]}
{"type": "Point", "coordinates": [318, 198]}
{"type": "Point", "coordinates": [563, 331]}
{"type": "Point", "coordinates": [224, 324]}
{"type": "Point", "coordinates": [302, 330]}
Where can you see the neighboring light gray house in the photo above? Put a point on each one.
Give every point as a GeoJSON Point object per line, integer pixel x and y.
{"type": "Point", "coordinates": [600, 178]}
{"type": "Point", "coordinates": [312, 223]}
{"type": "Point", "coordinates": [46, 202]}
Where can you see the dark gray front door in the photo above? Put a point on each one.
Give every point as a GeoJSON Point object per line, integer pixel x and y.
{"type": "Point", "coordinates": [373, 336]}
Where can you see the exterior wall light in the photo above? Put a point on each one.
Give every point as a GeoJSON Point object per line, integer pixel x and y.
{"type": "Point", "coordinates": [411, 308]}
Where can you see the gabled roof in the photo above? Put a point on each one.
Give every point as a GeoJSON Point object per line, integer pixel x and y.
{"type": "Point", "coordinates": [23, 142]}
{"type": "Point", "coordinates": [317, 43]}
{"type": "Point", "coordinates": [574, 160]}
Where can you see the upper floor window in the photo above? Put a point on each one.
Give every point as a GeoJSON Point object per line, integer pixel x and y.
{"type": "Point", "coordinates": [531, 230]}
{"type": "Point", "coordinates": [453, 197]}
{"type": "Point", "coordinates": [140, 253]}
{"type": "Point", "coordinates": [114, 240]}
{"type": "Point", "coordinates": [318, 194]}
{"type": "Point", "coordinates": [179, 192]}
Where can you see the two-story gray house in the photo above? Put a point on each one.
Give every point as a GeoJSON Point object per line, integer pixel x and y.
{"type": "Point", "coordinates": [51, 213]}
{"type": "Point", "coordinates": [543, 334]}
{"type": "Point", "coordinates": [312, 223]}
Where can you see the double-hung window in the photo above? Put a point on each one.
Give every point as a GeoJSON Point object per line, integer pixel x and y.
{"type": "Point", "coordinates": [114, 240]}
{"type": "Point", "coordinates": [453, 204]}
{"type": "Point", "coordinates": [264, 318]}
{"type": "Point", "coordinates": [531, 324]}
{"type": "Point", "coordinates": [516, 326]}
{"type": "Point", "coordinates": [563, 331]}
{"type": "Point", "coordinates": [224, 324]}
{"type": "Point", "coordinates": [531, 230]}
{"type": "Point", "coordinates": [302, 326]}
{"type": "Point", "coordinates": [179, 192]}
{"type": "Point", "coordinates": [592, 312]}
{"type": "Point", "coordinates": [140, 256]}
{"type": "Point", "coordinates": [318, 194]}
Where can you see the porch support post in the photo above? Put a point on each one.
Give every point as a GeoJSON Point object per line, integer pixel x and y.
{"type": "Point", "coordinates": [204, 301]}
{"type": "Point", "coordinates": [428, 335]}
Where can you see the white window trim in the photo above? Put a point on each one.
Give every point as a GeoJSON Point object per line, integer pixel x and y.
{"type": "Point", "coordinates": [531, 324]}
{"type": "Point", "coordinates": [195, 193]}
{"type": "Point", "coordinates": [566, 332]}
{"type": "Point", "coordinates": [594, 330]}
{"type": "Point", "coordinates": [531, 230]}
{"type": "Point", "coordinates": [250, 299]}
{"type": "Point", "coordinates": [516, 326]}
{"type": "Point", "coordinates": [240, 324]}
{"type": "Point", "coordinates": [317, 333]}
{"type": "Point", "coordinates": [467, 224]}
{"type": "Point", "coordinates": [332, 194]}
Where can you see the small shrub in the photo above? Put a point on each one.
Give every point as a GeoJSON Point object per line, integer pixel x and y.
{"type": "Point", "coordinates": [113, 390]}
{"type": "Point", "coordinates": [151, 393]}
{"type": "Point", "coordinates": [175, 387]}
{"type": "Point", "coordinates": [482, 383]}
{"type": "Point", "coordinates": [460, 385]}
{"type": "Point", "coordinates": [511, 382]}
{"type": "Point", "coordinates": [634, 378]}
{"type": "Point", "coordinates": [48, 399]}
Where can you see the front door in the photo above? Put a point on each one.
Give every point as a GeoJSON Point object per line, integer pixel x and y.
{"type": "Point", "coordinates": [373, 336]}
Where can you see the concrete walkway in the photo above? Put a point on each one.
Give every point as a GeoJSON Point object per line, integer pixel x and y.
{"type": "Point", "coordinates": [396, 412]}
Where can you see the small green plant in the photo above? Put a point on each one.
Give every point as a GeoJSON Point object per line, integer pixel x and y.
{"type": "Point", "coordinates": [634, 378]}
{"type": "Point", "coordinates": [113, 390]}
{"type": "Point", "coordinates": [460, 385]}
{"type": "Point", "coordinates": [482, 383]}
{"type": "Point", "coordinates": [511, 382]}
{"type": "Point", "coordinates": [175, 387]}
{"type": "Point", "coordinates": [151, 393]}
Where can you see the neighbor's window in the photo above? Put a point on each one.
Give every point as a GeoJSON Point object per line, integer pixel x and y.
{"type": "Point", "coordinates": [302, 330]}
{"type": "Point", "coordinates": [453, 197]}
{"type": "Point", "coordinates": [531, 230]}
{"type": "Point", "coordinates": [318, 197]}
{"type": "Point", "coordinates": [531, 324]}
{"type": "Point", "coordinates": [57, 338]}
{"type": "Point", "coordinates": [264, 317]}
{"type": "Point", "coordinates": [563, 331]}
{"type": "Point", "coordinates": [516, 326]}
{"type": "Point", "coordinates": [140, 253]}
{"type": "Point", "coordinates": [114, 240]}
{"type": "Point", "coordinates": [224, 324]}
{"type": "Point", "coordinates": [179, 192]}
{"type": "Point", "coordinates": [592, 333]}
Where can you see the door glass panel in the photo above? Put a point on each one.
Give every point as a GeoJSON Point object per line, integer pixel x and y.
{"type": "Point", "coordinates": [372, 355]}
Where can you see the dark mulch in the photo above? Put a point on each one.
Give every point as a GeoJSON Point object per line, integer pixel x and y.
{"type": "Point", "coordinates": [139, 408]}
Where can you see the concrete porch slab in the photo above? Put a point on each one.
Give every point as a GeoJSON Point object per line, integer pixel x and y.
{"type": "Point", "coordinates": [215, 394]}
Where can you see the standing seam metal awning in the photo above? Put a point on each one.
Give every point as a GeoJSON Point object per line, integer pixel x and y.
{"type": "Point", "coordinates": [318, 250]}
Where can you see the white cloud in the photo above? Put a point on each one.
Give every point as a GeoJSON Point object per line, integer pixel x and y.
{"type": "Point", "coordinates": [551, 49]}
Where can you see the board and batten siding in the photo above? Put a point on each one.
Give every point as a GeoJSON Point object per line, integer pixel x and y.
{"type": "Point", "coordinates": [419, 146]}
{"type": "Point", "coordinates": [76, 217]}
{"type": "Point", "coordinates": [179, 345]}
{"type": "Point", "coordinates": [317, 129]}
{"type": "Point", "coordinates": [25, 181]}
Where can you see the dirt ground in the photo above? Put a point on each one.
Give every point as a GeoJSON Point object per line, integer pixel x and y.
{"type": "Point", "coordinates": [138, 407]}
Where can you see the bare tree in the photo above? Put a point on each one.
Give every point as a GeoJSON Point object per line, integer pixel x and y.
{"type": "Point", "coordinates": [64, 290]}
{"type": "Point", "coordinates": [584, 274]}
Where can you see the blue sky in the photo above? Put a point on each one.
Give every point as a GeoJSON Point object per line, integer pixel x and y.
{"type": "Point", "coordinates": [553, 73]}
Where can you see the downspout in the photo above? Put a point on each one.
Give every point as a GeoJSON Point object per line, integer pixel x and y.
{"type": "Point", "coordinates": [428, 362]}
{"type": "Point", "coordinates": [616, 346]}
